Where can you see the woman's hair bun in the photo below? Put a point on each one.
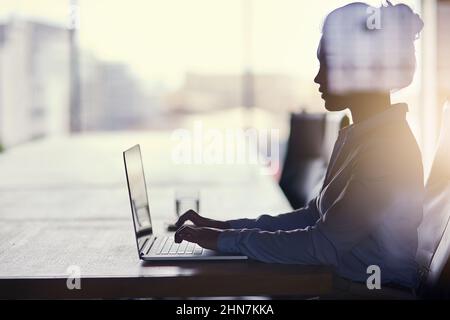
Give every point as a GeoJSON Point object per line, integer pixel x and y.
{"type": "Point", "coordinates": [400, 17]}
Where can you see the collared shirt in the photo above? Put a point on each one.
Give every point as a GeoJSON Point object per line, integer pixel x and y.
{"type": "Point", "coordinates": [367, 212]}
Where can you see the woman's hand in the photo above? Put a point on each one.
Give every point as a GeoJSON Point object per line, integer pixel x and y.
{"type": "Point", "coordinates": [200, 221]}
{"type": "Point", "coordinates": [204, 237]}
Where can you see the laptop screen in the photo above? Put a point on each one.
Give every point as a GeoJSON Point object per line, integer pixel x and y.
{"type": "Point", "coordinates": [138, 191]}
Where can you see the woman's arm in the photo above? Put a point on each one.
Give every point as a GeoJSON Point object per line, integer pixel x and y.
{"type": "Point", "coordinates": [297, 219]}
{"type": "Point", "coordinates": [362, 208]}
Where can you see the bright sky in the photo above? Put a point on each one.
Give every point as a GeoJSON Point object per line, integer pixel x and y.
{"type": "Point", "coordinates": [161, 40]}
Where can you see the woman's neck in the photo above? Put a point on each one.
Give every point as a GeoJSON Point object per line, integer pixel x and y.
{"type": "Point", "coordinates": [365, 105]}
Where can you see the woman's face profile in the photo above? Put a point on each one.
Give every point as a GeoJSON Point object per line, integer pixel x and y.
{"type": "Point", "coordinates": [333, 102]}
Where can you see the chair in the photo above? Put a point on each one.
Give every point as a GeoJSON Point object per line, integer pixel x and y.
{"type": "Point", "coordinates": [309, 148]}
{"type": "Point", "coordinates": [434, 231]}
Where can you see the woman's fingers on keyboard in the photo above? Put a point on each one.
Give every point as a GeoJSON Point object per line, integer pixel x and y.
{"type": "Point", "coordinates": [187, 233]}
{"type": "Point", "coordinates": [189, 215]}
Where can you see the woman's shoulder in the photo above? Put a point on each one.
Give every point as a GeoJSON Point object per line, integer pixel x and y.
{"type": "Point", "coordinates": [392, 152]}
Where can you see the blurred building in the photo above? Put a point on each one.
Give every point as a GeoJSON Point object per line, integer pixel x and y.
{"type": "Point", "coordinates": [34, 81]}
{"type": "Point", "coordinates": [112, 98]}
{"type": "Point", "coordinates": [206, 92]}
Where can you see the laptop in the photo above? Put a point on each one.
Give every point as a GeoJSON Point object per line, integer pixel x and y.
{"type": "Point", "coordinates": [149, 245]}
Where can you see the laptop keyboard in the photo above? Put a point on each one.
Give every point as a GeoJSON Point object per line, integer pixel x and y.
{"type": "Point", "coordinates": [167, 246]}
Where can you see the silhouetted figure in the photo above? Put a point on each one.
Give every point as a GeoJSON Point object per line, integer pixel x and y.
{"type": "Point", "coordinates": [370, 205]}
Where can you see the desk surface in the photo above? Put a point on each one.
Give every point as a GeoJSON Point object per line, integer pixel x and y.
{"type": "Point", "coordinates": [64, 202]}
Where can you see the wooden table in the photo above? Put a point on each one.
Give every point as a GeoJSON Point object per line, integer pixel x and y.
{"type": "Point", "coordinates": [64, 202]}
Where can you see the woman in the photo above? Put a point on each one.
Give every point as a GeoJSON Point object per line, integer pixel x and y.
{"type": "Point", "coordinates": [370, 205]}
